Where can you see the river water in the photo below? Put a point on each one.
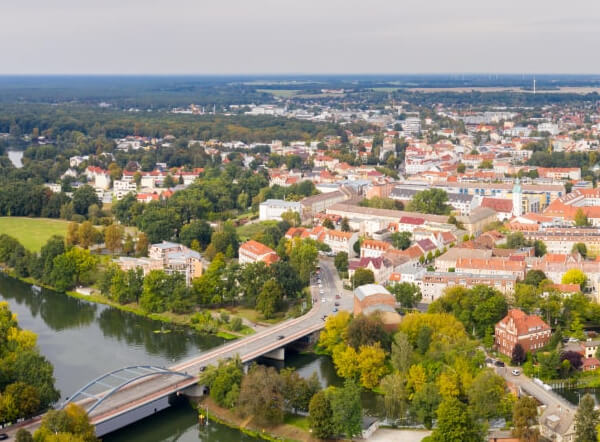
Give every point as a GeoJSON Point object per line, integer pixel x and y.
{"type": "Point", "coordinates": [84, 340]}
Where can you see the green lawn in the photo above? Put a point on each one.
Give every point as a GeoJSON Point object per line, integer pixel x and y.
{"type": "Point", "coordinates": [297, 421]}
{"type": "Point", "coordinates": [247, 231]}
{"type": "Point", "coordinates": [32, 232]}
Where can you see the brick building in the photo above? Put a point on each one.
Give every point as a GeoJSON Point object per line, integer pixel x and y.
{"type": "Point", "coordinates": [518, 327]}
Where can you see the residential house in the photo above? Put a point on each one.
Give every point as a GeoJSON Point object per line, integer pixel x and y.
{"type": "Point", "coordinates": [253, 251]}
{"type": "Point", "coordinates": [517, 327]}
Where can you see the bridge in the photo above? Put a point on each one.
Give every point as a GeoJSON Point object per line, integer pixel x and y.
{"type": "Point", "coordinates": [127, 395]}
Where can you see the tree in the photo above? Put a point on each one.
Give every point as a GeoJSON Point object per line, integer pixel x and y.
{"type": "Point", "coordinates": [371, 364]}
{"type": "Point", "coordinates": [298, 391]}
{"type": "Point", "coordinates": [335, 331]}
{"type": "Point", "coordinates": [366, 330]}
{"type": "Point", "coordinates": [112, 237]}
{"type": "Point", "coordinates": [198, 230]}
{"type": "Point", "coordinates": [581, 219]}
{"type": "Point", "coordinates": [534, 277]}
{"type": "Point", "coordinates": [525, 419]}
{"type": "Point", "coordinates": [486, 395]}
{"type": "Point", "coordinates": [341, 262]}
{"type": "Point", "coordinates": [406, 293]}
{"type": "Point", "coordinates": [168, 182]}
{"type": "Point", "coordinates": [261, 395]}
{"type": "Point", "coordinates": [586, 420]}
{"type": "Point", "coordinates": [141, 245]}
{"type": "Point", "coordinates": [401, 240]}
{"type": "Point", "coordinates": [328, 224]}
{"type": "Point", "coordinates": [83, 198]}
{"type": "Point", "coordinates": [23, 436]}
{"type": "Point", "coordinates": [87, 234]}
{"type": "Point", "coordinates": [362, 276]}
{"type": "Point", "coordinates": [401, 352]}
{"type": "Point", "coordinates": [424, 339]}
{"type": "Point", "coordinates": [395, 398]}
{"type": "Point", "coordinates": [575, 358]}
{"type": "Point", "coordinates": [424, 403]}
{"type": "Point", "coordinates": [579, 248]}
{"type": "Point", "coordinates": [432, 201]}
{"type": "Point", "coordinates": [518, 355]}
{"type": "Point", "coordinates": [293, 218]}
{"type": "Point", "coordinates": [321, 415]}
{"type": "Point", "coordinates": [345, 226]}
{"type": "Point", "coordinates": [345, 360]}
{"type": "Point", "coordinates": [269, 298]}
{"type": "Point", "coordinates": [222, 380]}
{"type": "Point", "coordinates": [347, 409]}
{"type": "Point", "coordinates": [72, 233]}
{"type": "Point", "coordinates": [303, 258]}
{"type": "Point", "coordinates": [574, 276]}
{"type": "Point", "coordinates": [72, 423]}
{"type": "Point", "coordinates": [460, 168]}
{"type": "Point", "coordinates": [539, 248]}
{"type": "Point", "coordinates": [454, 423]}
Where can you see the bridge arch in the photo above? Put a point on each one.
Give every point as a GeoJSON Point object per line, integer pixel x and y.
{"type": "Point", "coordinates": [111, 382]}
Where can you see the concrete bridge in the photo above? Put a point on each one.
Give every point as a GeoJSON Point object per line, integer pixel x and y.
{"type": "Point", "coordinates": [127, 395]}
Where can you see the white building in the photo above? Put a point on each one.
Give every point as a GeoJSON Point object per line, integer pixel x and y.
{"type": "Point", "coordinates": [122, 188]}
{"type": "Point", "coordinates": [272, 209]}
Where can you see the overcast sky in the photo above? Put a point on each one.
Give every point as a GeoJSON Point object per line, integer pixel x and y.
{"type": "Point", "coordinates": [303, 36]}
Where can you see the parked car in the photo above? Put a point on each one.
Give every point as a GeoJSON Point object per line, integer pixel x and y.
{"type": "Point", "coordinates": [516, 372]}
{"type": "Point", "coordinates": [280, 337]}
{"type": "Point", "coordinates": [335, 310]}
{"type": "Point", "coordinates": [3, 436]}
{"type": "Point", "coordinates": [499, 363]}
{"type": "Point", "coordinates": [337, 304]}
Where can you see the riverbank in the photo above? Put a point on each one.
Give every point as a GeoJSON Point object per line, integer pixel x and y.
{"type": "Point", "coordinates": [284, 432]}
{"type": "Point", "coordinates": [167, 318]}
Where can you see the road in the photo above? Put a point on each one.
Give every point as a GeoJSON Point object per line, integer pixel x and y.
{"type": "Point", "coordinates": [530, 388]}
{"type": "Point", "coordinates": [248, 349]}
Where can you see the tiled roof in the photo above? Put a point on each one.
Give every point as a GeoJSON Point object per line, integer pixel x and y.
{"type": "Point", "coordinates": [524, 323]}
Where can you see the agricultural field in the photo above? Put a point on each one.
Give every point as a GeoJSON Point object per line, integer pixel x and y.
{"type": "Point", "coordinates": [32, 232]}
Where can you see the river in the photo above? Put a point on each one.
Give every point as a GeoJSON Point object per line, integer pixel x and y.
{"type": "Point", "coordinates": [16, 157]}
{"type": "Point", "coordinates": [84, 340]}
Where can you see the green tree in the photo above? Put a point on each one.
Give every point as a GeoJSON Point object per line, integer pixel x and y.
{"type": "Point", "coordinates": [347, 409]}
{"type": "Point", "coordinates": [113, 235]}
{"type": "Point", "coordinates": [345, 226]}
{"type": "Point", "coordinates": [72, 422]}
{"type": "Point", "coordinates": [460, 168]}
{"type": "Point", "coordinates": [432, 201]}
{"type": "Point", "coordinates": [486, 395]}
{"type": "Point", "coordinates": [574, 276]}
{"type": "Point", "coordinates": [198, 230]}
{"type": "Point", "coordinates": [401, 356]}
{"type": "Point", "coordinates": [303, 258]}
{"type": "Point", "coordinates": [454, 424]}
{"type": "Point", "coordinates": [321, 415]}
{"type": "Point", "coordinates": [83, 198]}
{"type": "Point", "coordinates": [261, 395]}
{"type": "Point", "coordinates": [401, 240]}
{"type": "Point", "coordinates": [534, 277]}
{"type": "Point", "coordinates": [341, 262]}
{"type": "Point", "coordinates": [579, 248]}
{"type": "Point", "coordinates": [366, 330]}
{"type": "Point", "coordinates": [87, 234]}
{"type": "Point", "coordinates": [407, 294]}
{"type": "Point", "coordinates": [586, 420]}
{"type": "Point", "coordinates": [269, 298]}
{"type": "Point", "coordinates": [328, 224]}
{"type": "Point", "coordinates": [525, 419]}
{"type": "Point", "coordinates": [23, 436]}
{"type": "Point", "coordinates": [362, 276]}
{"type": "Point", "coordinates": [581, 219]}
{"type": "Point", "coordinates": [142, 244]}
{"type": "Point", "coordinates": [424, 403]}
{"type": "Point", "coordinates": [395, 397]}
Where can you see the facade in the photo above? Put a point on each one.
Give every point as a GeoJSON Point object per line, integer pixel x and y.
{"type": "Point", "coordinates": [433, 284]}
{"type": "Point", "coordinates": [492, 266]}
{"type": "Point", "coordinates": [340, 241]}
{"type": "Point", "coordinates": [271, 210]}
{"type": "Point", "coordinates": [374, 298]}
{"type": "Point", "coordinates": [517, 327]}
{"type": "Point", "coordinates": [371, 248]}
{"type": "Point", "coordinates": [253, 251]}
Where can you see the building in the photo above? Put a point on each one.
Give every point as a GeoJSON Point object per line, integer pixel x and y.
{"type": "Point", "coordinates": [169, 257]}
{"type": "Point", "coordinates": [492, 266]}
{"type": "Point", "coordinates": [253, 251]}
{"type": "Point", "coordinates": [372, 298]}
{"type": "Point", "coordinates": [433, 284]}
{"type": "Point", "coordinates": [371, 248]}
{"type": "Point", "coordinates": [380, 267]}
{"type": "Point", "coordinates": [271, 209]}
{"type": "Point", "coordinates": [340, 241]}
{"type": "Point", "coordinates": [557, 423]}
{"type": "Point", "coordinates": [517, 327]}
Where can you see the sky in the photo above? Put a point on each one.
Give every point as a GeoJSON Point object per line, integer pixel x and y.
{"type": "Point", "coordinates": [299, 36]}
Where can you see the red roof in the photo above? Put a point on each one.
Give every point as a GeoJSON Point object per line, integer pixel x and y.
{"type": "Point", "coordinates": [524, 323]}
{"type": "Point", "coordinates": [412, 220]}
{"type": "Point", "coordinates": [498, 204]}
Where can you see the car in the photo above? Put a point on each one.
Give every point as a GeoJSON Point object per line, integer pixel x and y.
{"type": "Point", "coordinates": [323, 299]}
{"type": "Point", "coordinates": [516, 372]}
{"type": "Point", "coordinates": [201, 369]}
{"type": "Point", "coordinates": [337, 304]}
{"type": "Point", "coordinates": [280, 337]}
{"type": "Point", "coordinates": [573, 340]}
{"type": "Point", "coordinates": [335, 310]}
{"type": "Point", "coordinates": [489, 361]}
{"type": "Point", "coordinates": [499, 363]}
{"type": "Point", "coordinates": [3, 436]}
{"type": "Point", "coordinates": [337, 296]}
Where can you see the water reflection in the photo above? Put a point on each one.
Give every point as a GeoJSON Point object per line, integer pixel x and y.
{"type": "Point", "coordinates": [156, 337]}
{"type": "Point", "coordinates": [58, 311]}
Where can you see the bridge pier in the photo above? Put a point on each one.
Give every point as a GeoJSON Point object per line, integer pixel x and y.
{"type": "Point", "coordinates": [278, 354]}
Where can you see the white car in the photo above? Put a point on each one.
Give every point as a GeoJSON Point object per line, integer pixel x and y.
{"type": "Point", "coordinates": [516, 372]}
{"type": "Point", "coordinates": [323, 300]}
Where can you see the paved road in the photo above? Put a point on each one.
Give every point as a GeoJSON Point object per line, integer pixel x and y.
{"type": "Point", "coordinates": [529, 387]}
{"type": "Point", "coordinates": [248, 348]}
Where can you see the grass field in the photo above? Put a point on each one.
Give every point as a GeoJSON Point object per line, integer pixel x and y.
{"type": "Point", "coordinates": [32, 232]}
{"type": "Point", "coordinates": [247, 231]}
{"type": "Point", "coordinates": [283, 93]}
